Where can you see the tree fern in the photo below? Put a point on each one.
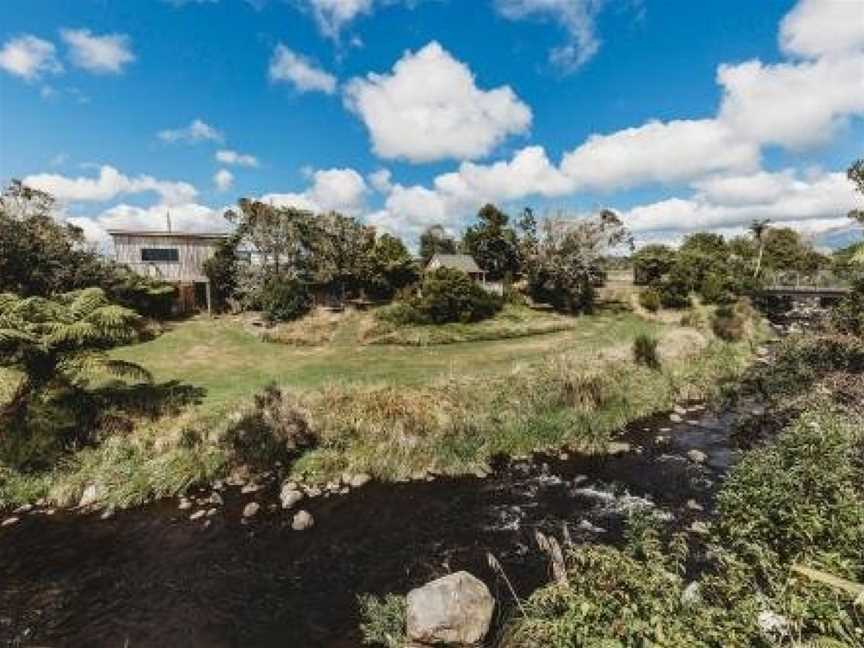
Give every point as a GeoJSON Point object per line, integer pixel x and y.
{"type": "Point", "coordinates": [58, 340]}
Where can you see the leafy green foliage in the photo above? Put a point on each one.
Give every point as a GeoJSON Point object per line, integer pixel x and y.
{"type": "Point", "coordinates": [390, 268]}
{"type": "Point", "coordinates": [55, 343]}
{"type": "Point", "coordinates": [41, 256]}
{"type": "Point", "coordinates": [492, 243]}
{"type": "Point", "coordinates": [848, 315]}
{"type": "Point", "coordinates": [285, 299]}
{"type": "Point", "coordinates": [383, 621]}
{"type": "Point", "coordinates": [223, 269]}
{"type": "Point", "coordinates": [449, 295]}
{"type": "Point", "coordinates": [651, 263]}
{"type": "Point", "coordinates": [650, 300]}
{"type": "Point", "coordinates": [567, 263]}
{"type": "Point", "coordinates": [435, 240]}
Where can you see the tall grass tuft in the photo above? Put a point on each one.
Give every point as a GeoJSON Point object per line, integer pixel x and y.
{"type": "Point", "coordinates": [645, 351]}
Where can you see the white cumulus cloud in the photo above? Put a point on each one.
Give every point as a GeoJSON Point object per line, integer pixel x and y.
{"type": "Point", "coordinates": [223, 179]}
{"type": "Point", "coordinates": [430, 108]}
{"type": "Point", "coordinates": [108, 53]}
{"type": "Point", "coordinates": [289, 66]}
{"type": "Point", "coordinates": [29, 57]}
{"type": "Point", "coordinates": [333, 15]}
{"type": "Point", "coordinates": [823, 27]}
{"type": "Point", "coordinates": [108, 185]}
{"type": "Point", "coordinates": [197, 131]}
{"type": "Point", "coordinates": [342, 190]}
{"type": "Point", "coordinates": [227, 156]}
{"type": "Point", "coordinates": [578, 17]}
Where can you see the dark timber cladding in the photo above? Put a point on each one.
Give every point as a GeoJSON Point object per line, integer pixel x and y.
{"type": "Point", "coordinates": [175, 257]}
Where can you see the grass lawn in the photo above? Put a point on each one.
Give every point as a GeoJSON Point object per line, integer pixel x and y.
{"type": "Point", "coordinates": [230, 362]}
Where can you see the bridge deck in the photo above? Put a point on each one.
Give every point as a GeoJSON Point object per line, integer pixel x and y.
{"type": "Point", "coordinates": [806, 291]}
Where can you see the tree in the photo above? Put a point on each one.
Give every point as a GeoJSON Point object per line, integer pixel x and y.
{"type": "Point", "coordinates": [38, 254]}
{"type": "Point", "coordinates": [758, 228]}
{"type": "Point", "coordinates": [340, 251]}
{"type": "Point", "coordinates": [855, 173]}
{"type": "Point", "coordinates": [435, 240]}
{"type": "Point", "coordinates": [223, 270]}
{"type": "Point", "coordinates": [528, 240]}
{"type": "Point", "coordinates": [492, 243]}
{"type": "Point", "coordinates": [651, 262]}
{"type": "Point", "coordinates": [54, 342]}
{"type": "Point", "coordinates": [568, 260]}
{"type": "Point", "coordinates": [390, 267]}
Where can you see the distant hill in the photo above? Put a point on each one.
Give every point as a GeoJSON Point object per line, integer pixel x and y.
{"type": "Point", "coordinates": [839, 237]}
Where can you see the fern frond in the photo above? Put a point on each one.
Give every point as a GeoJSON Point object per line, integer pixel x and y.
{"type": "Point", "coordinates": [125, 369]}
{"type": "Point", "coordinates": [86, 301]}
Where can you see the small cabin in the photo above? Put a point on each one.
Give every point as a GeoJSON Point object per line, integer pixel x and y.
{"type": "Point", "coordinates": [463, 262]}
{"type": "Point", "coordinates": [174, 257]}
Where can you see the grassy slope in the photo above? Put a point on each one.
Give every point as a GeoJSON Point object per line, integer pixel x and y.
{"type": "Point", "coordinates": [230, 362]}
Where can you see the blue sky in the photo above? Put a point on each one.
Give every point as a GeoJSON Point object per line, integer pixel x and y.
{"type": "Point", "coordinates": [679, 114]}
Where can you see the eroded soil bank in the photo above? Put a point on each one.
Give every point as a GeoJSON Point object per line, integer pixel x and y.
{"type": "Point", "coordinates": [150, 577]}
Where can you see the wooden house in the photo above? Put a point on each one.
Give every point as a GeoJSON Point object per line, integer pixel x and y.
{"type": "Point", "coordinates": [175, 257]}
{"type": "Point", "coordinates": [463, 262]}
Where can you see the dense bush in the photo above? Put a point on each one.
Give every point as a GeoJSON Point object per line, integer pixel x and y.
{"type": "Point", "coordinates": [645, 351]}
{"type": "Point", "coordinates": [383, 620]}
{"type": "Point", "coordinates": [400, 313]}
{"type": "Point", "coordinates": [449, 295]}
{"type": "Point", "coordinates": [283, 299]}
{"type": "Point", "coordinates": [650, 300]}
{"type": "Point", "coordinates": [675, 291]}
{"type": "Point", "coordinates": [848, 315]}
{"type": "Point", "coordinates": [275, 428]}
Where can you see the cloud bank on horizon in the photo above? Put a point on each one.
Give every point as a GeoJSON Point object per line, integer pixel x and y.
{"type": "Point", "coordinates": [441, 139]}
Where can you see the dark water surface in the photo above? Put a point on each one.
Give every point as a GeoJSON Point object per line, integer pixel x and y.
{"type": "Point", "coordinates": [150, 577]}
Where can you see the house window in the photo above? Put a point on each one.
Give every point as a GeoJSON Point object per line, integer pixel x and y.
{"type": "Point", "coordinates": [163, 255]}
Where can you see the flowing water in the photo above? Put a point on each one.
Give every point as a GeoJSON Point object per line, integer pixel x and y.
{"type": "Point", "coordinates": [150, 577]}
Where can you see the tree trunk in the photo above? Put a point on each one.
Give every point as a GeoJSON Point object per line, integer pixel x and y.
{"type": "Point", "coordinates": [759, 259]}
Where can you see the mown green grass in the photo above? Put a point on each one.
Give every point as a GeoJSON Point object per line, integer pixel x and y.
{"type": "Point", "coordinates": [230, 362]}
{"type": "Point", "coordinates": [513, 321]}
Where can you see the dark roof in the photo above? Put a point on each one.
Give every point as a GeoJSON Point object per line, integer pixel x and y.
{"type": "Point", "coordinates": [463, 262]}
{"type": "Point", "coordinates": [201, 235]}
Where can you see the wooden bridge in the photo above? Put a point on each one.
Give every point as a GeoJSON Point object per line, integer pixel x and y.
{"type": "Point", "coordinates": [815, 292]}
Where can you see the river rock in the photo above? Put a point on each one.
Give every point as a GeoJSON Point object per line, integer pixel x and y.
{"type": "Point", "coordinates": [91, 495]}
{"type": "Point", "coordinates": [456, 609]}
{"type": "Point", "coordinates": [618, 448]}
{"type": "Point", "coordinates": [24, 508]}
{"type": "Point", "coordinates": [216, 499]}
{"type": "Point", "coordinates": [107, 514]}
{"type": "Point", "coordinates": [289, 496]}
{"type": "Point", "coordinates": [197, 515]}
{"type": "Point", "coordinates": [697, 456]}
{"type": "Point", "coordinates": [251, 509]}
{"type": "Point", "coordinates": [9, 522]}
{"type": "Point", "coordinates": [675, 418]}
{"type": "Point", "coordinates": [692, 595]}
{"type": "Point", "coordinates": [251, 487]}
{"type": "Point", "coordinates": [239, 475]}
{"type": "Point", "coordinates": [681, 411]}
{"type": "Point", "coordinates": [184, 504]}
{"type": "Point", "coordinates": [302, 520]}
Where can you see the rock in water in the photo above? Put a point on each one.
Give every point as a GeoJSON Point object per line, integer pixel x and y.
{"type": "Point", "coordinates": [359, 480]}
{"type": "Point", "coordinates": [251, 509]}
{"type": "Point", "coordinates": [456, 609]}
{"type": "Point", "coordinates": [91, 495]}
{"type": "Point", "coordinates": [9, 522]}
{"type": "Point", "coordinates": [289, 496]}
{"type": "Point", "coordinates": [697, 456]}
{"type": "Point", "coordinates": [302, 520]}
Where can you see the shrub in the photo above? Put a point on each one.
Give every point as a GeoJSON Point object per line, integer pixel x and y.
{"type": "Point", "coordinates": [274, 429]}
{"type": "Point", "coordinates": [675, 292]}
{"type": "Point", "coordinates": [383, 621]}
{"type": "Point", "coordinates": [715, 289]}
{"type": "Point", "coordinates": [727, 324]}
{"type": "Point", "coordinates": [284, 299]}
{"type": "Point", "coordinates": [650, 300]}
{"type": "Point", "coordinates": [451, 296]}
{"type": "Point", "coordinates": [645, 351]}
{"type": "Point", "coordinates": [402, 313]}
{"type": "Point", "coordinates": [693, 319]}
{"type": "Point", "coordinates": [848, 315]}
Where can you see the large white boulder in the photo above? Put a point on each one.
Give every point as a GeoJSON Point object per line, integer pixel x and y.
{"type": "Point", "coordinates": [456, 609]}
